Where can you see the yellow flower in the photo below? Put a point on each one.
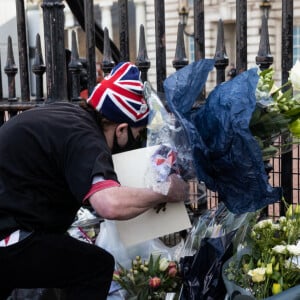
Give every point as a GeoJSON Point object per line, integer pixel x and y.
{"type": "Point", "coordinates": [294, 128]}
{"type": "Point", "coordinates": [295, 76]}
{"type": "Point", "coordinates": [297, 209]}
{"type": "Point", "coordinates": [245, 268]}
{"type": "Point", "coordinates": [289, 212]}
{"type": "Point", "coordinates": [258, 274]}
{"type": "Point", "coordinates": [276, 288]}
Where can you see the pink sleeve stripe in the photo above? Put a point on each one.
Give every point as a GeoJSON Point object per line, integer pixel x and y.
{"type": "Point", "coordinates": [98, 186]}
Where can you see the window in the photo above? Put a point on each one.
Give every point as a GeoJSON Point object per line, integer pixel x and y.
{"type": "Point", "coordinates": [191, 41]}
{"type": "Point", "coordinates": [296, 43]}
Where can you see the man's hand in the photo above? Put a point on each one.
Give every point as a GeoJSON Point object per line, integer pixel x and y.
{"type": "Point", "coordinates": [178, 190]}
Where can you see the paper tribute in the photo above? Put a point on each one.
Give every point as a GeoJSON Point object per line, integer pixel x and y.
{"type": "Point", "coordinates": [132, 168]}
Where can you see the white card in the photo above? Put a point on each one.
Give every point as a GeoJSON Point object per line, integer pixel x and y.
{"type": "Point", "coordinates": [131, 168]}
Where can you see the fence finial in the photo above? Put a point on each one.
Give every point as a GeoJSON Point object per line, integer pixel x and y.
{"type": "Point", "coordinates": [142, 60]}
{"type": "Point", "coordinates": [75, 67]}
{"type": "Point", "coordinates": [107, 61]}
{"type": "Point", "coordinates": [264, 59]}
{"type": "Point", "coordinates": [38, 68]}
{"type": "Point", "coordinates": [220, 55]}
{"type": "Point", "coordinates": [180, 59]}
{"type": "Point", "coordinates": [11, 71]}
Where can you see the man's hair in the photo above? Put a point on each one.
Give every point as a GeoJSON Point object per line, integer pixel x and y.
{"type": "Point", "coordinates": [100, 119]}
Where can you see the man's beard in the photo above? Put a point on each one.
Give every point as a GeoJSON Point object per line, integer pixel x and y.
{"type": "Point", "coordinates": [132, 143]}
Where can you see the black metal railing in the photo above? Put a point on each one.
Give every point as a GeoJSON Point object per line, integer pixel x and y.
{"type": "Point", "coordinates": [63, 75]}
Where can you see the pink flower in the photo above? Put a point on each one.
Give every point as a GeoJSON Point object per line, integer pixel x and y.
{"type": "Point", "coordinates": [116, 275]}
{"type": "Point", "coordinates": [172, 272]}
{"type": "Point", "coordinates": [154, 282]}
{"type": "Point", "coordinates": [172, 264]}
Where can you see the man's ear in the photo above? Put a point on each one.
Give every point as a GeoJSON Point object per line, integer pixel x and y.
{"type": "Point", "coordinates": [121, 129]}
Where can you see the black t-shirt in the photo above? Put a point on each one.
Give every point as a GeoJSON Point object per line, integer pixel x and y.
{"type": "Point", "coordinates": [48, 158]}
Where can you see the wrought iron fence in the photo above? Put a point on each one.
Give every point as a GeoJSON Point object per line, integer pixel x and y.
{"type": "Point", "coordinates": [62, 71]}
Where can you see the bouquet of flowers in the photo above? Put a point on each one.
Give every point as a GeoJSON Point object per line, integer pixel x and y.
{"type": "Point", "coordinates": [270, 263]}
{"type": "Point", "coordinates": [149, 279]}
{"type": "Point", "coordinates": [235, 132]}
{"type": "Point", "coordinates": [208, 245]}
{"type": "Point", "coordinates": [277, 112]}
{"type": "Point", "coordinates": [173, 155]}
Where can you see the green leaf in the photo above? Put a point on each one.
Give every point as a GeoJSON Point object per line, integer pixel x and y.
{"type": "Point", "coordinates": [256, 115]}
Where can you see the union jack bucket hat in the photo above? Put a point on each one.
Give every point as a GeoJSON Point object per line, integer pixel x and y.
{"type": "Point", "coordinates": [119, 96]}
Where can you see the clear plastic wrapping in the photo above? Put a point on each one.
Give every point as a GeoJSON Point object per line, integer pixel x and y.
{"type": "Point", "coordinates": [173, 154]}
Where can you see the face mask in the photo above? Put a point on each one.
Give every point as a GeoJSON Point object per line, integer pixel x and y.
{"type": "Point", "coordinates": [132, 143]}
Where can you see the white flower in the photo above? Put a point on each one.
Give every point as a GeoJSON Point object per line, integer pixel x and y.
{"type": "Point", "coordinates": [274, 89]}
{"type": "Point", "coordinates": [295, 76]}
{"type": "Point", "coordinates": [263, 224]}
{"type": "Point", "coordinates": [258, 274]}
{"type": "Point", "coordinates": [292, 222]}
{"type": "Point", "coordinates": [293, 249]}
{"type": "Point", "coordinates": [163, 264]}
{"type": "Point", "coordinates": [279, 249]}
{"type": "Point", "coordinates": [275, 226]}
{"type": "Point", "coordinates": [296, 262]}
{"type": "Point", "coordinates": [292, 263]}
{"type": "Point", "coordinates": [282, 219]}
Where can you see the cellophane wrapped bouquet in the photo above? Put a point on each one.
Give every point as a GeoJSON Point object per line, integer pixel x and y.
{"type": "Point", "coordinates": [210, 242]}
{"type": "Point", "coordinates": [154, 273]}
{"type": "Point", "coordinates": [174, 152]}
{"type": "Point", "coordinates": [154, 278]}
{"type": "Point", "coordinates": [268, 263]}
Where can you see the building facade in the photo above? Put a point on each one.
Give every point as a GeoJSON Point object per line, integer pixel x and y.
{"type": "Point", "coordinates": [143, 12]}
{"type": "Point", "coordinates": [214, 10]}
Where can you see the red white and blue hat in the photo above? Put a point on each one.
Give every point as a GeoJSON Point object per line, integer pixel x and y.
{"type": "Point", "coordinates": [119, 96]}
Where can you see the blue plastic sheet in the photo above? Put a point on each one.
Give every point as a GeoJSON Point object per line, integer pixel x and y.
{"type": "Point", "coordinates": [226, 155]}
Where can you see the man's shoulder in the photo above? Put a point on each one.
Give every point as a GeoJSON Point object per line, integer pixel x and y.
{"type": "Point", "coordinates": [59, 109]}
{"type": "Point", "coordinates": [60, 105]}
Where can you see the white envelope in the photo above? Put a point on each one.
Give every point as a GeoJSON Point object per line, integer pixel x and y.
{"type": "Point", "coordinates": [131, 168]}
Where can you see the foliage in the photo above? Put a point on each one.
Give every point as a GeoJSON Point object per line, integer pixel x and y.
{"type": "Point", "coordinates": [151, 279]}
{"type": "Point", "coordinates": [277, 113]}
{"type": "Point", "coordinates": [273, 264]}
